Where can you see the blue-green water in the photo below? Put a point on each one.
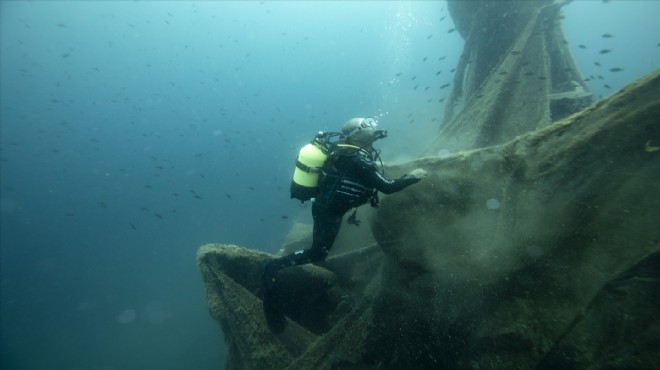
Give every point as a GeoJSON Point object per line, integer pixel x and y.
{"type": "Point", "coordinates": [134, 132]}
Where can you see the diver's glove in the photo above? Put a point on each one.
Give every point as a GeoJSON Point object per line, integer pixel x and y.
{"type": "Point", "coordinates": [418, 173]}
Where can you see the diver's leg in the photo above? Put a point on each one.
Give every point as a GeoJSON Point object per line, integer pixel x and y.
{"type": "Point", "coordinates": [326, 228]}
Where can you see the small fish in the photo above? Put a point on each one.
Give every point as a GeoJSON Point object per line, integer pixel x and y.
{"type": "Point", "coordinates": [132, 226]}
{"type": "Point", "coordinates": [616, 69]}
{"type": "Point", "coordinates": [427, 87]}
{"type": "Point", "coordinates": [442, 58]}
{"type": "Point", "coordinates": [284, 217]}
{"type": "Point", "coordinates": [441, 100]}
{"type": "Point", "coordinates": [414, 78]}
{"type": "Point", "coordinates": [443, 86]}
{"type": "Point", "coordinates": [61, 25]}
{"type": "Point", "coordinates": [438, 72]}
{"type": "Point", "coordinates": [429, 36]}
{"type": "Point", "coordinates": [597, 64]}
{"type": "Point", "coordinates": [515, 52]}
{"type": "Point", "coordinates": [399, 74]}
{"type": "Point", "coordinates": [159, 216]}
{"type": "Point", "coordinates": [605, 51]}
{"type": "Point", "coordinates": [424, 59]}
{"type": "Point", "coordinates": [607, 86]}
{"type": "Point", "coordinates": [227, 195]}
{"type": "Point", "coordinates": [582, 46]}
{"type": "Point", "coordinates": [451, 30]}
{"type": "Point", "coordinates": [443, 18]}
{"type": "Point", "coordinates": [197, 197]}
{"type": "Point", "coordinates": [607, 35]}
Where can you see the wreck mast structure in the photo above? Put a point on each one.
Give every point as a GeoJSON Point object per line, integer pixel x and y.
{"type": "Point", "coordinates": [516, 74]}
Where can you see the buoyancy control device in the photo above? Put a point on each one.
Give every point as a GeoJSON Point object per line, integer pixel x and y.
{"type": "Point", "coordinates": [309, 162]}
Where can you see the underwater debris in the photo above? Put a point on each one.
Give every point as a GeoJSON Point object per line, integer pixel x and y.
{"type": "Point", "coordinates": [650, 148]}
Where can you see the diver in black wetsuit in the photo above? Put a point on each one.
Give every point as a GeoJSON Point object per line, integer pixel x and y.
{"type": "Point", "coordinates": [349, 178]}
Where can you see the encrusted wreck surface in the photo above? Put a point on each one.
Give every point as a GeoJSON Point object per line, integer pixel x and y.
{"type": "Point", "coordinates": [543, 252]}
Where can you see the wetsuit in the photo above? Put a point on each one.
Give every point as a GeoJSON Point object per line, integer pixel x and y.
{"type": "Point", "coordinates": [349, 178]}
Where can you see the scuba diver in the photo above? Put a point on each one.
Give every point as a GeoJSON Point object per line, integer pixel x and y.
{"type": "Point", "coordinates": [338, 176]}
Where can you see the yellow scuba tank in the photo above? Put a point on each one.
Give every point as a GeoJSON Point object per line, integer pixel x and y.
{"type": "Point", "coordinates": [306, 175]}
{"type": "Point", "coordinates": [309, 162]}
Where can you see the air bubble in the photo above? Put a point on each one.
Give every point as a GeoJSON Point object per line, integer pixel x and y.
{"type": "Point", "coordinates": [493, 204]}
